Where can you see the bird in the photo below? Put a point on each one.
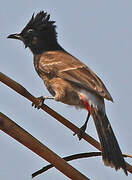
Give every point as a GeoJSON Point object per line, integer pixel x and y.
{"type": "Point", "coordinates": [71, 82]}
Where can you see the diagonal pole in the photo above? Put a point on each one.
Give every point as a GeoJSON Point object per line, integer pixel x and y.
{"type": "Point", "coordinates": [22, 136]}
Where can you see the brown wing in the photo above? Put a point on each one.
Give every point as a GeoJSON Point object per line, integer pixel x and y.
{"type": "Point", "coordinates": [66, 66]}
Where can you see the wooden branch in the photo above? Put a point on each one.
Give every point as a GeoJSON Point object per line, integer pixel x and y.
{"type": "Point", "coordinates": [68, 158]}
{"type": "Point", "coordinates": [21, 90]}
{"type": "Point", "coordinates": [15, 131]}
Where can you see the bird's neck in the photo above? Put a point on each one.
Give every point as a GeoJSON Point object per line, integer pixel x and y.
{"type": "Point", "coordinates": [51, 46]}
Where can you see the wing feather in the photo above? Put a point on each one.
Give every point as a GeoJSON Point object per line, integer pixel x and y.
{"type": "Point", "coordinates": [65, 66]}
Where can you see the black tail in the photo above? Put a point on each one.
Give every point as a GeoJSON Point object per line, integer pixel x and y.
{"type": "Point", "coordinates": [111, 153]}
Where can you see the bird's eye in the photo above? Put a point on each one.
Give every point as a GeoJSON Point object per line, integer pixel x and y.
{"type": "Point", "coordinates": [30, 30]}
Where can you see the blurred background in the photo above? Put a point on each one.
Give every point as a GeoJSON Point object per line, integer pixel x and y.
{"type": "Point", "coordinates": [99, 33]}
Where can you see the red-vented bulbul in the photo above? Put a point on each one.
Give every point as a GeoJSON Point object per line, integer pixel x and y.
{"type": "Point", "coordinates": [71, 82]}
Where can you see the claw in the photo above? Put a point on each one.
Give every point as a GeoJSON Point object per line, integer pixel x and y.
{"type": "Point", "coordinates": [81, 132]}
{"type": "Point", "coordinates": [82, 129]}
{"type": "Point", "coordinates": [39, 102]}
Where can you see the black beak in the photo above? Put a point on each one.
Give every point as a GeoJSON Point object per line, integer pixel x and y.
{"type": "Point", "coordinates": [16, 36]}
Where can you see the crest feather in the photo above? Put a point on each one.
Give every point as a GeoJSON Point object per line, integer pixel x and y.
{"type": "Point", "coordinates": [40, 22]}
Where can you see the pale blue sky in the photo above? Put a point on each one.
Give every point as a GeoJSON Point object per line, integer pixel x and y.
{"type": "Point", "coordinates": [99, 33]}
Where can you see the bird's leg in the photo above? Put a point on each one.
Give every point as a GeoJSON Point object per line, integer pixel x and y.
{"type": "Point", "coordinates": [40, 100]}
{"type": "Point", "coordinates": [83, 128]}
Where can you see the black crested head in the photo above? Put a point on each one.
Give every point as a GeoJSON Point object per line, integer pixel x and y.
{"type": "Point", "coordinates": [39, 34]}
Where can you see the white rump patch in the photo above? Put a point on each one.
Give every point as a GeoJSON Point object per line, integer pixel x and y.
{"type": "Point", "coordinates": [93, 99]}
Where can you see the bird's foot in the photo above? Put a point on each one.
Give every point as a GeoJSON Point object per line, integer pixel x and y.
{"type": "Point", "coordinates": [81, 132]}
{"type": "Point", "coordinates": [82, 129]}
{"type": "Point", "coordinates": [40, 101]}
